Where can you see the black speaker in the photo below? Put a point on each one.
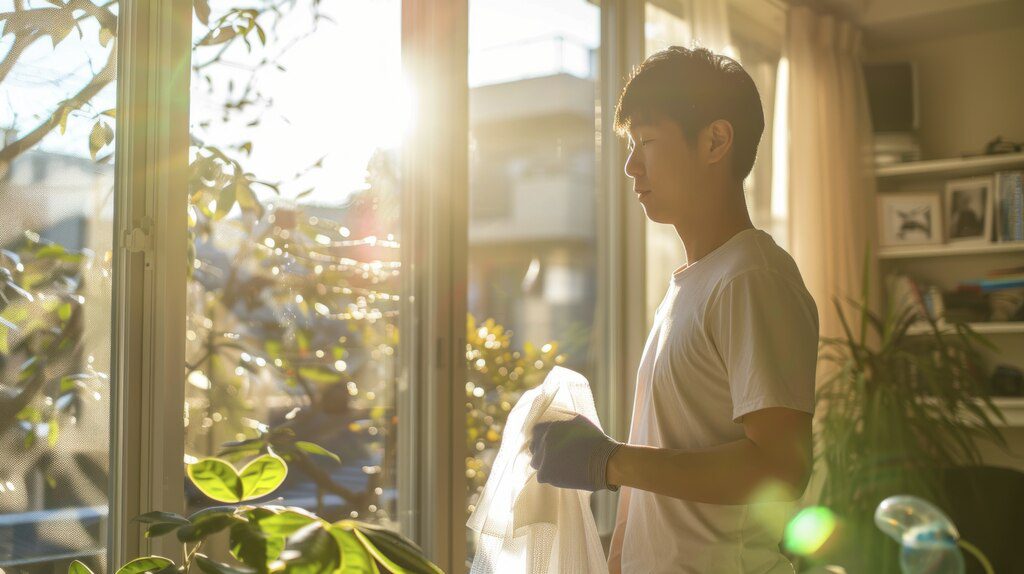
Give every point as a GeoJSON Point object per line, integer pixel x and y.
{"type": "Point", "coordinates": [892, 95]}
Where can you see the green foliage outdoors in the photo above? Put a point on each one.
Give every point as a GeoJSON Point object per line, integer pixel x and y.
{"type": "Point", "coordinates": [280, 295]}
{"type": "Point", "coordinates": [264, 538]}
{"type": "Point", "coordinates": [898, 409]}
{"type": "Point", "coordinates": [497, 376]}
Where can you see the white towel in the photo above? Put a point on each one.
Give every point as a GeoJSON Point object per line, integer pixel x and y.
{"type": "Point", "coordinates": [530, 528]}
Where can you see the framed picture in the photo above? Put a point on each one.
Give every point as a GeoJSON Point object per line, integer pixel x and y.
{"type": "Point", "coordinates": [969, 210]}
{"type": "Point", "coordinates": [910, 218]}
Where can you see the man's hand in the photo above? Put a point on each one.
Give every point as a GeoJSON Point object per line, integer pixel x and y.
{"type": "Point", "coordinates": [572, 454]}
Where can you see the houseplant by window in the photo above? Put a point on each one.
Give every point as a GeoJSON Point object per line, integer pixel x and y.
{"type": "Point", "coordinates": [897, 410]}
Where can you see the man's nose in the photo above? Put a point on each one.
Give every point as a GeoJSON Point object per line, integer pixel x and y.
{"type": "Point", "coordinates": [634, 167]}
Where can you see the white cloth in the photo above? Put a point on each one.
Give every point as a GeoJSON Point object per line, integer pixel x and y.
{"type": "Point", "coordinates": [736, 332]}
{"type": "Point", "coordinates": [530, 528]}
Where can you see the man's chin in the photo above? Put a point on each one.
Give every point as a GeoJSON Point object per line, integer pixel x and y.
{"type": "Point", "coordinates": [654, 216]}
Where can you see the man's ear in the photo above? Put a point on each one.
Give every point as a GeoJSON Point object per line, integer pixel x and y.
{"type": "Point", "coordinates": [718, 140]}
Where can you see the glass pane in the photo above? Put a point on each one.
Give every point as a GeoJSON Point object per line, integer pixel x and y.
{"type": "Point", "coordinates": [292, 327]}
{"type": "Point", "coordinates": [56, 236]}
{"type": "Point", "coordinates": [533, 204]}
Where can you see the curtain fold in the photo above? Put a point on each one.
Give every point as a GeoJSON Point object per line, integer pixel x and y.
{"type": "Point", "coordinates": [831, 186]}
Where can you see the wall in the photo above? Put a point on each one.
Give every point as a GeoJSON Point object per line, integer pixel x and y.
{"type": "Point", "coordinates": [970, 88]}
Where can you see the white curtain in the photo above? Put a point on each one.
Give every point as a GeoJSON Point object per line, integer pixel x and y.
{"type": "Point", "coordinates": [830, 189]}
{"type": "Point", "coordinates": [711, 26]}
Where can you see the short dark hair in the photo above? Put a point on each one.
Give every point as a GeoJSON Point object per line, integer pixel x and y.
{"type": "Point", "coordinates": [694, 87]}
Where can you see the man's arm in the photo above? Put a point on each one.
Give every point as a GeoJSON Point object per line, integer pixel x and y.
{"type": "Point", "coordinates": [776, 451]}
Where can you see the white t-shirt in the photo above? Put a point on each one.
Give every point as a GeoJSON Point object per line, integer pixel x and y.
{"type": "Point", "coordinates": [736, 332]}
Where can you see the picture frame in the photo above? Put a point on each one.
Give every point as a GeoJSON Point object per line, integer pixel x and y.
{"type": "Point", "coordinates": [906, 219]}
{"type": "Point", "coordinates": [968, 210]}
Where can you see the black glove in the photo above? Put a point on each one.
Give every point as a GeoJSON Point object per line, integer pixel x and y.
{"type": "Point", "coordinates": [572, 454]}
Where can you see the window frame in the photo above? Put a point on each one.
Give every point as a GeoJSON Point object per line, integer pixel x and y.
{"type": "Point", "coordinates": [148, 325]}
{"type": "Point", "coordinates": [150, 239]}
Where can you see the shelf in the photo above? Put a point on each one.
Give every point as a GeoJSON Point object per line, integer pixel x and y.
{"type": "Point", "coordinates": [1012, 409]}
{"type": "Point", "coordinates": [990, 328]}
{"type": "Point", "coordinates": [948, 250]}
{"type": "Point", "coordinates": [952, 167]}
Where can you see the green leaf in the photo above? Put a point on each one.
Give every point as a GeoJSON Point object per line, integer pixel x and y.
{"type": "Point", "coordinates": [250, 546]}
{"type": "Point", "coordinates": [161, 517]}
{"type": "Point", "coordinates": [225, 201]}
{"type": "Point", "coordinates": [64, 311]}
{"type": "Point", "coordinates": [105, 36]}
{"type": "Point", "coordinates": [314, 448]}
{"type": "Point", "coordinates": [401, 551]}
{"type": "Point", "coordinates": [354, 557]}
{"type": "Point", "coordinates": [262, 476]}
{"type": "Point", "coordinates": [378, 555]}
{"type": "Point", "coordinates": [216, 479]}
{"type": "Point", "coordinates": [218, 36]}
{"type": "Point", "coordinates": [100, 136]}
{"type": "Point", "coordinates": [202, 8]}
{"type": "Point", "coordinates": [315, 551]}
{"type": "Point", "coordinates": [208, 521]}
{"type": "Point", "coordinates": [65, 112]}
{"type": "Point", "coordinates": [286, 523]}
{"type": "Point", "coordinates": [161, 529]}
{"type": "Point", "coordinates": [210, 567]}
{"type": "Point", "coordinates": [79, 568]}
{"type": "Point", "coordinates": [53, 434]}
{"type": "Point", "coordinates": [145, 564]}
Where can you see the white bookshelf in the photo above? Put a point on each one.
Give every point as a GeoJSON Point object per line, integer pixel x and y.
{"type": "Point", "coordinates": [950, 263]}
{"type": "Point", "coordinates": [952, 168]}
{"type": "Point", "coordinates": [990, 328]}
{"type": "Point", "coordinates": [949, 250]}
{"type": "Point", "coordinates": [1012, 409]}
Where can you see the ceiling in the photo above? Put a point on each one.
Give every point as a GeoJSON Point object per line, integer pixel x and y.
{"type": "Point", "coordinates": [890, 22]}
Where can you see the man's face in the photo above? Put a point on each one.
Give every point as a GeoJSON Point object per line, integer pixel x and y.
{"type": "Point", "coordinates": [665, 170]}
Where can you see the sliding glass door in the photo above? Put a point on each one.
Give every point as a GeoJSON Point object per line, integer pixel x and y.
{"type": "Point", "coordinates": [57, 85]}
{"type": "Point", "coordinates": [533, 223]}
{"type": "Point", "coordinates": [292, 341]}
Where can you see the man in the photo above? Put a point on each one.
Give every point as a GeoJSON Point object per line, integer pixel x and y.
{"type": "Point", "coordinates": [720, 440]}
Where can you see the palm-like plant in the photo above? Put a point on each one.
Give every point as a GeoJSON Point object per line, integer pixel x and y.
{"type": "Point", "coordinates": [899, 407]}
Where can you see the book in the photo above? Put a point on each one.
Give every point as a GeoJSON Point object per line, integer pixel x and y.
{"type": "Point", "coordinates": [988, 285]}
{"type": "Point", "coordinates": [1009, 205]}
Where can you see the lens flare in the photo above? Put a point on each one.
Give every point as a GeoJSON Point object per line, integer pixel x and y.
{"type": "Point", "coordinates": [809, 530]}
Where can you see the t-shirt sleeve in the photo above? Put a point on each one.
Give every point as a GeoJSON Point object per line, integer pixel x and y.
{"type": "Point", "coordinates": [765, 328]}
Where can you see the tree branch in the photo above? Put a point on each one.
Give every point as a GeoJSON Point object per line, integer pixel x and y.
{"type": "Point", "coordinates": [100, 81]}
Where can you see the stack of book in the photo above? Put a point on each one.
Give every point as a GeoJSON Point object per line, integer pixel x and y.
{"type": "Point", "coordinates": [1009, 205]}
{"type": "Point", "coordinates": [998, 280]}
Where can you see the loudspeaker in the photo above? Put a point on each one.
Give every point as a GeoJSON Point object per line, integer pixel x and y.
{"type": "Point", "coordinates": [892, 95]}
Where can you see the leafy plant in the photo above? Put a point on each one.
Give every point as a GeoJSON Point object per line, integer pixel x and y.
{"type": "Point", "coordinates": [498, 376]}
{"type": "Point", "coordinates": [899, 408]}
{"type": "Point", "coordinates": [264, 538]}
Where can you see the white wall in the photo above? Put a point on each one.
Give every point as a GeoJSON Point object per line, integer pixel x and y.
{"type": "Point", "coordinates": [971, 88]}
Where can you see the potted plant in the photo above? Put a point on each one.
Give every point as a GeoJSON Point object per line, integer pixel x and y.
{"type": "Point", "coordinates": [264, 538]}
{"type": "Point", "coordinates": [898, 407]}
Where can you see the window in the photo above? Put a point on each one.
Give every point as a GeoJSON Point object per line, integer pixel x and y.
{"type": "Point", "coordinates": [56, 239]}
{"type": "Point", "coordinates": [750, 32]}
{"type": "Point", "coordinates": [300, 237]}
{"type": "Point", "coordinates": [293, 298]}
{"type": "Point", "coordinates": [533, 277]}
